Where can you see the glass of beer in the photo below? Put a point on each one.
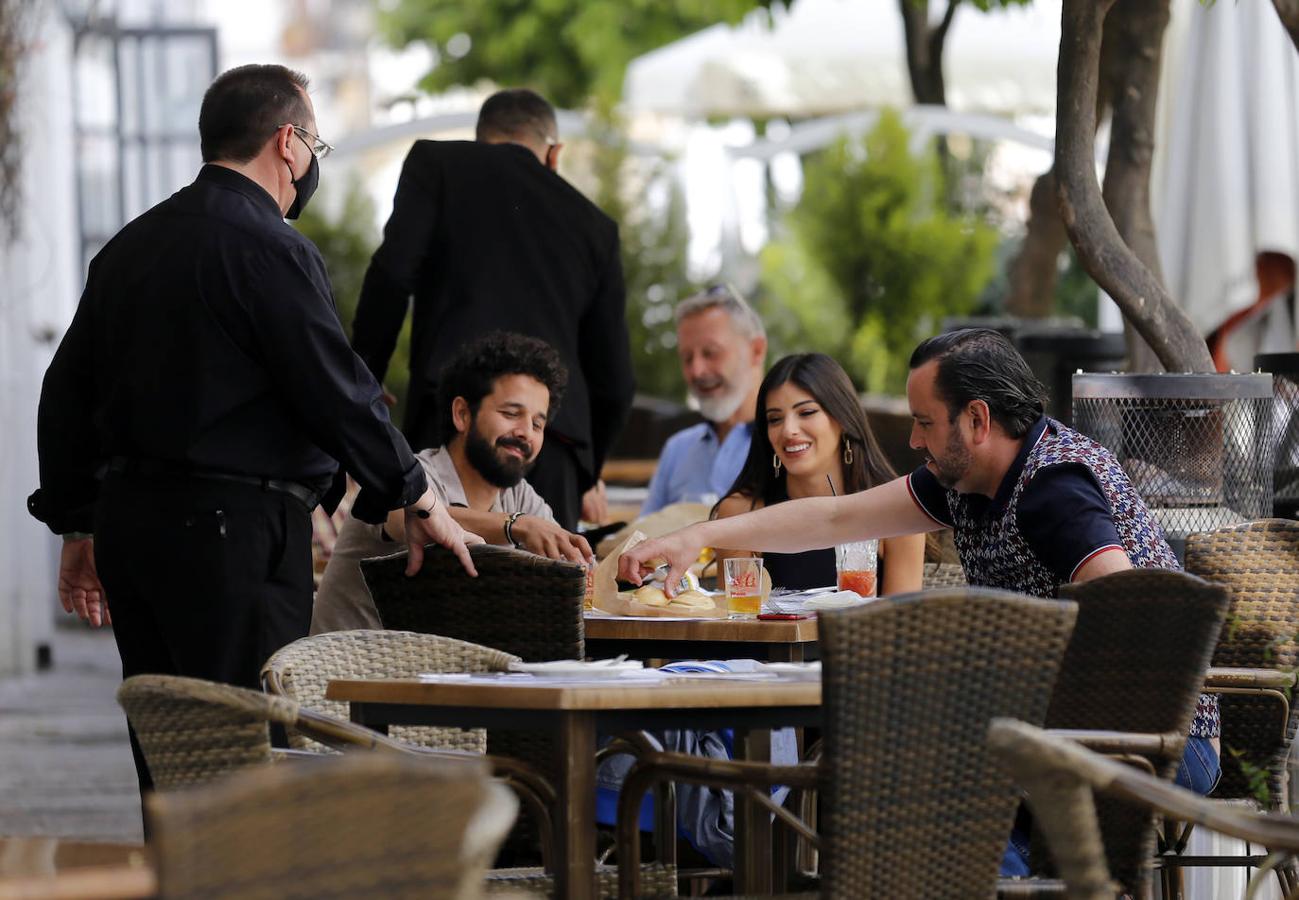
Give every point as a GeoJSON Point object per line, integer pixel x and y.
{"type": "Point", "coordinates": [743, 587]}
{"type": "Point", "coordinates": [855, 566]}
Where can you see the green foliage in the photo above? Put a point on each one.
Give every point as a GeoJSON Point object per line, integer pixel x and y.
{"type": "Point", "coordinates": [347, 241]}
{"type": "Point", "coordinates": [569, 50]}
{"type": "Point", "coordinates": [1256, 777]}
{"type": "Point", "coordinates": [654, 238]}
{"type": "Point", "coordinates": [871, 262]}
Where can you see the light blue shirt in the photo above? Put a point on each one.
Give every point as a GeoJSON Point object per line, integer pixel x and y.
{"type": "Point", "coordinates": [695, 467]}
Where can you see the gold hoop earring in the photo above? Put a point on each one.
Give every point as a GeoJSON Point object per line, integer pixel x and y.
{"type": "Point", "coordinates": [847, 451]}
{"type": "Point", "coordinates": [775, 463]}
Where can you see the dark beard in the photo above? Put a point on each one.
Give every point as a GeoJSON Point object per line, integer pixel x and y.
{"type": "Point", "coordinates": [955, 463]}
{"type": "Point", "coordinates": [497, 469]}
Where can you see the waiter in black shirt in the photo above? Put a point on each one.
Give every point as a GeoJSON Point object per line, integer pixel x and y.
{"type": "Point", "coordinates": [194, 412]}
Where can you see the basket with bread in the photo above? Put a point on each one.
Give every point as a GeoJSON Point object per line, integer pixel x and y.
{"type": "Point", "coordinates": [651, 598]}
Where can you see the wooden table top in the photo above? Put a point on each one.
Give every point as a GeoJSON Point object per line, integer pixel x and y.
{"type": "Point", "coordinates": [650, 628]}
{"type": "Point", "coordinates": [545, 694]}
{"type": "Point", "coordinates": [52, 868]}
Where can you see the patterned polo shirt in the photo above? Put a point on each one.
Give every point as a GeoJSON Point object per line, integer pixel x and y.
{"type": "Point", "coordinates": [1064, 500]}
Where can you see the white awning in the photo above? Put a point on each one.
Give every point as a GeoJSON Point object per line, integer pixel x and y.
{"type": "Point", "coordinates": [831, 56]}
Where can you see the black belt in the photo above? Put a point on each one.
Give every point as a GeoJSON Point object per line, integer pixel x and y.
{"type": "Point", "coordinates": [158, 467]}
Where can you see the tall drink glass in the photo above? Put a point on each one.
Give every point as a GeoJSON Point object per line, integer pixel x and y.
{"type": "Point", "coordinates": [743, 587]}
{"type": "Point", "coordinates": [854, 564]}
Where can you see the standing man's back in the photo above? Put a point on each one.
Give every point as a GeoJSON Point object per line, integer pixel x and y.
{"type": "Point", "coordinates": [485, 235]}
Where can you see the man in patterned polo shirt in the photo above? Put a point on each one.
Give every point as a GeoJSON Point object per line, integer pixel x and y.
{"type": "Point", "coordinates": [1032, 504]}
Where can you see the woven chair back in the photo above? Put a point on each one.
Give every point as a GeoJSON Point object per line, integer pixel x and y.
{"type": "Point", "coordinates": [520, 603]}
{"type": "Point", "coordinates": [914, 806]}
{"type": "Point", "coordinates": [941, 575]}
{"type": "Point", "coordinates": [1136, 663]}
{"type": "Point", "coordinates": [302, 671]}
{"type": "Point", "coordinates": [1259, 563]}
{"type": "Point", "coordinates": [358, 826]}
{"type": "Point", "coordinates": [192, 731]}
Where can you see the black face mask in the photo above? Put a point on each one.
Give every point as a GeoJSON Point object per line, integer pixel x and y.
{"type": "Point", "coordinates": [306, 186]}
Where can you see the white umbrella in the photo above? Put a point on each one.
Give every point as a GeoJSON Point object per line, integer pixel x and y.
{"type": "Point", "coordinates": [832, 56]}
{"type": "Point", "coordinates": [1226, 185]}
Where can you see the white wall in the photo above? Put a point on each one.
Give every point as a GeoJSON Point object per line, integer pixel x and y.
{"type": "Point", "coordinates": [37, 296]}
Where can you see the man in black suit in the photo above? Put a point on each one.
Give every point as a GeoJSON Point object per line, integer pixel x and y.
{"type": "Point", "coordinates": [486, 235]}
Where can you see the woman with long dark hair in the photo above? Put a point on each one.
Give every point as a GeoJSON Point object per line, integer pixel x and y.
{"type": "Point", "coordinates": [809, 433]}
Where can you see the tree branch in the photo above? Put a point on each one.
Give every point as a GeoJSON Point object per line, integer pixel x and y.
{"type": "Point", "coordinates": [1101, 249]}
{"type": "Point", "coordinates": [940, 33]}
{"type": "Point", "coordinates": [1133, 37]}
{"type": "Point", "coordinates": [920, 62]}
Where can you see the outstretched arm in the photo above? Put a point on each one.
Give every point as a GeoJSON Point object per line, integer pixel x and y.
{"type": "Point", "coordinates": [790, 527]}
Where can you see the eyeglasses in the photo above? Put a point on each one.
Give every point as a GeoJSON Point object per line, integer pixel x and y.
{"type": "Point", "coordinates": [318, 148]}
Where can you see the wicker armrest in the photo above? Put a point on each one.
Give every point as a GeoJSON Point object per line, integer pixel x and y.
{"type": "Point", "coordinates": [1219, 678]}
{"type": "Point", "coordinates": [1124, 743]}
{"type": "Point", "coordinates": [736, 774]}
{"type": "Point", "coordinates": [296, 757]}
{"type": "Point", "coordinates": [534, 791]}
{"type": "Point", "coordinates": [1060, 777]}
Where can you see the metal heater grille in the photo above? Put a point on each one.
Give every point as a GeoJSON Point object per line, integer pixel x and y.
{"type": "Point", "coordinates": [1285, 426]}
{"type": "Point", "coordinates": [1198, 448]}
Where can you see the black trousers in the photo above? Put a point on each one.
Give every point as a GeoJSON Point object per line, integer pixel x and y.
{"type": "Point", "coordinates": [203, 578]}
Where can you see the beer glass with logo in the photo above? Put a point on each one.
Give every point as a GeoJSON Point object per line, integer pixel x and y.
{"type": "Point", "coordinates": [743, 587]}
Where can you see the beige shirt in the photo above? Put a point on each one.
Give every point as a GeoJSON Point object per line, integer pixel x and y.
{"type": "Point", "coordinates": [343, 601]}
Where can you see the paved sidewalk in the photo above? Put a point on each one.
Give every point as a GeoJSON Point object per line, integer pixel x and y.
{"type": "Point", "coordinates": [65, 765]}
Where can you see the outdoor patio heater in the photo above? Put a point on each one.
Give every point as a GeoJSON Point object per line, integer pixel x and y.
{"type": "Point", "coordinates": [1198, 448]}
{"type": "Point", "coordinates": [1284, 368]}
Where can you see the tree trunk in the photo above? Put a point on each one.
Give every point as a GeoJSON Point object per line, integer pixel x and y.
{"type": "Point", "coordinates": [1134, 32]}
{"type": "Point", "coordinates": [1288, 10]}
{"type": "Point", "coordinates": [1035, 270]}
{"type": "Point", "coordinates": [1101, 249]}
{"type": "Point", "coordinates": [924, 46]}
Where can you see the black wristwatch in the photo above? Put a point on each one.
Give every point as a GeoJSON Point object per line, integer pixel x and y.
{"type": "Point", "coordinates": [509, 529]}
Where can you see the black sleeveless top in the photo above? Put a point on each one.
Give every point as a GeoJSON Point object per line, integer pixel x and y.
{"type": "Point", "coordinates": [809, 569]}
{"type": "Point", "coordinates": [799, 571]}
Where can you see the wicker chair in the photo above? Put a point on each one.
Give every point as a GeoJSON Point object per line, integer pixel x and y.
{"type": "Point", "coordinates": [1259, 562]}
{"type": "Point", "coordinates": [194, 731]}
{"type": "Point", "coordinates": [941, 575]}
{"type": "Point", "coordinates": [520, 603]}
{"type": "Point", "coordinates": [1131, 677]}
{"type": "Point", "coordinates": [303, 669]}
{"type": "Point", "coordinates": [910, 684]}
{"type": "Point", "coordinates": [1061, 777]}
{"type": "Point", "coordinates": [1255, 663]}
{"type": "Point", "coordinates": [366, 826]}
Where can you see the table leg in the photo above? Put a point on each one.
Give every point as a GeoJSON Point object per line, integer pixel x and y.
{"type": "Point", "coordinates": [575, 827]}
{"type": "Point", "coordinates": [752, 822]}
{"type": "Point", "coordinates": [786, 653]}
{"type": "Point", "coordinates": [356, 712]}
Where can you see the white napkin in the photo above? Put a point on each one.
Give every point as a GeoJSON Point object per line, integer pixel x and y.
{"type": "Point", "coordinates": [837, 600]}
